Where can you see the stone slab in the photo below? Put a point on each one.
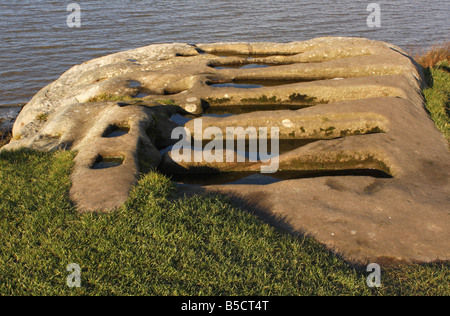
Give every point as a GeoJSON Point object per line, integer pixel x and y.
{"type": "Point", "coordinates": [358, 101]}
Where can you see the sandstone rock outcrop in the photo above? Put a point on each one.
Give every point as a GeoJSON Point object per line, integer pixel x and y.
{"type": "Point", "coordinates": [355, 103]}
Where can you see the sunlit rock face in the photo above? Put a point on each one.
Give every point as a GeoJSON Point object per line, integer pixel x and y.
{"type": "Point", "coordinates": [359, 163]}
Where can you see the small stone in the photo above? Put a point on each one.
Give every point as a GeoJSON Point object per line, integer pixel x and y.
{"type": "Point", "coordinates": [191, 107]}
{"type": "Point", "coordinates": [287, 123]}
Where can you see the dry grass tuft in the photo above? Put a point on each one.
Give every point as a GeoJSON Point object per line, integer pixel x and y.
{"type": "Point", "coordinates": [433, 56]}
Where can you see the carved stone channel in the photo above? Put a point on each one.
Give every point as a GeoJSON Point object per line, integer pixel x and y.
{"type": "Point", "coordinates": [361, 165]}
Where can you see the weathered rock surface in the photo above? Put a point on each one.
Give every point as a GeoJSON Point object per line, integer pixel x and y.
{"type": "Point", "coordinates": [356, 101]}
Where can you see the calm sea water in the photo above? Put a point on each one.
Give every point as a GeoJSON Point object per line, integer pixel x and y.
{"type": "Point", "coordinates": [37, 46]}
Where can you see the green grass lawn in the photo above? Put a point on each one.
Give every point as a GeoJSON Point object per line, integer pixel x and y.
{"type": "Point", "coordinates": [161, 243]}
{"type": "Point", "coordinates": [438, 97]}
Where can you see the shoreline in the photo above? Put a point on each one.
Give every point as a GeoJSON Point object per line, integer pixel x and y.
{"type": "Point", "coordinates": [8, 116]}
{"type": "Point", "coordinates": [13, 105]}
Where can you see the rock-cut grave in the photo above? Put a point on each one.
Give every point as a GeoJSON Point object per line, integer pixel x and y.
{"type": "Point", "coordinates": [362, 167]}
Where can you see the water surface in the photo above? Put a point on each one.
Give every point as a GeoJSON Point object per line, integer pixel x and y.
{"type": "Point", "coordinates": [37, 46]}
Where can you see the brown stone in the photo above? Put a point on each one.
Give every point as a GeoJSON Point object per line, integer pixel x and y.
{"type": "Point", "coordinates": [357, 103]}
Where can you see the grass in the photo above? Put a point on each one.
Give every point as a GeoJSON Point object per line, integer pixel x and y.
{"type": "Point", "coordinates": [166, 101]}
{"type": "Point", "coordinates": [434, 56]}
{"type": "Point", "coordinates": [438, 98]}
{"type": "Point", "coordinates": [126, 98]}
{"type": "Point", "coordinates": [115, 98]}
{"type": "Point", "coordinates": [436, 64]}
{"type": "Point", "coordinates": [161, 243]}
{"type": "Point", "coordinates": [42, 117]}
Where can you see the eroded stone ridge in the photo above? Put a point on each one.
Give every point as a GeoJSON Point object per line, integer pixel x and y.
{"type": "Point", "coordinates": [345, 107]}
